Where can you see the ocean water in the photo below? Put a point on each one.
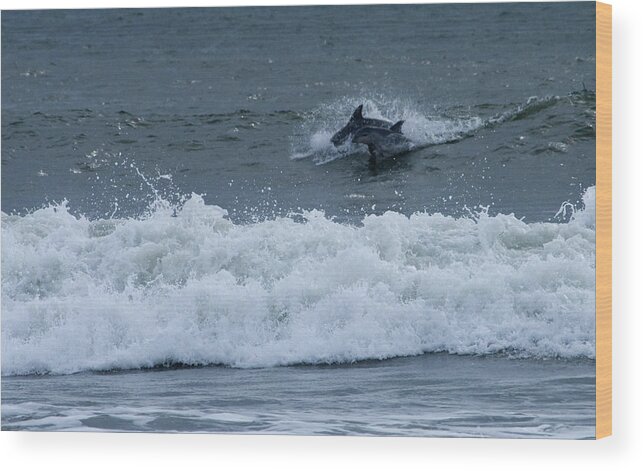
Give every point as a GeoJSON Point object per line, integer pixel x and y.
{"type": "Point", "coordinates": [183, 249]}
{"type": "Point", "coordinates": [436, 395]}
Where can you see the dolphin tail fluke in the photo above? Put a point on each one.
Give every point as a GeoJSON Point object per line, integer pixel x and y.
{"type": "Point", "coordinates": [397, 127]}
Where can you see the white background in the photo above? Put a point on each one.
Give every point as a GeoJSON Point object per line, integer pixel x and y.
{"type": "Point", "coordinates": [100, 451]}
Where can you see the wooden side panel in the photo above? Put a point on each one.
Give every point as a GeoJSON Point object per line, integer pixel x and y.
{"type": "Point", "coordinates": [603, 220]}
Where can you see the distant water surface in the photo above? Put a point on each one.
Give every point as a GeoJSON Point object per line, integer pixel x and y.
{"type": "Point", "coordinates": [221, 99]}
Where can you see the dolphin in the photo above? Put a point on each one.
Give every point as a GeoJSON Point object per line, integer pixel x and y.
{"type": "Point", "coordinates": [355, 123]}
{"type": "Point", "coordinates": [383, 142]}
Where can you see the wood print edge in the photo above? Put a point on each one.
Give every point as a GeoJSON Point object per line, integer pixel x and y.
{"type": "Point", "coordinates": [603, 220]}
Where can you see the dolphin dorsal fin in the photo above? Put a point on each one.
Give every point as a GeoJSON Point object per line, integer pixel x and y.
{"type": "Point", "coordinates": [357, 114]}
{"type": "Point", "coordinates": [397, 127]}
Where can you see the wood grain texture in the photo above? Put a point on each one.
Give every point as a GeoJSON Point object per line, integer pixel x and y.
{"type": "Point", "coordinates": [603, 220]}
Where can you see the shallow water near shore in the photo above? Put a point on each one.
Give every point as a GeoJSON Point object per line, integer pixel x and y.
{"type": "Point", "coordinates": [428, 395]}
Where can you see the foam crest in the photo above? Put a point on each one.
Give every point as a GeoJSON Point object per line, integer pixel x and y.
{"type": "Point", "coordinates": [185, 285]}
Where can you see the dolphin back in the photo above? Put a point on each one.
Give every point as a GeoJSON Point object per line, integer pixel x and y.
{"type": "Point", "coordinates": [397, 127]}
{"type": "Point", "coordinates": [357, 122]}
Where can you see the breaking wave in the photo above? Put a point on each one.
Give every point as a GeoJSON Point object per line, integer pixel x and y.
{"type": "Point", "coordinates": [186, 286]}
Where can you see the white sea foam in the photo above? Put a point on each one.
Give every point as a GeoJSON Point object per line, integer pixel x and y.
{"type": "Point", "coordinates": [188, 286]}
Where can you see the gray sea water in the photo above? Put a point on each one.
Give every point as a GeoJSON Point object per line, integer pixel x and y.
{"type": "Point", "coordinates": [432, 395]}
{"type": "Point", "coordinates": [222, 98]}
{"type": "Point", "coordinates": [170, 197]}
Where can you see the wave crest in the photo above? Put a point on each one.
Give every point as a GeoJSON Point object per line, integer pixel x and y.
{"type": "Point", "coordinates": [187, 286]}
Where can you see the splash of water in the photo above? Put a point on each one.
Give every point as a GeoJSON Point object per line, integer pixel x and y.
{"type": "Point", "coordinates": [182, 284]}
{"type": "Point", "coordinates": [424, 127]}
{"type": "Point", "coordinates": [312, 139]}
